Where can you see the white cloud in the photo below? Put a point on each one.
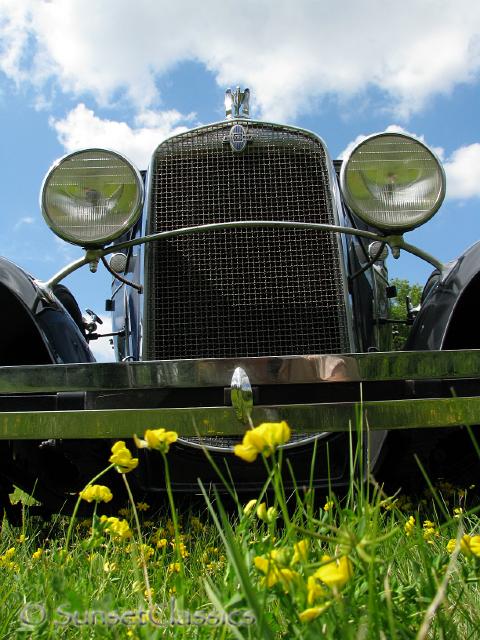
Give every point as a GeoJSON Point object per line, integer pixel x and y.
{"type": "Point", "coordinates": [27, 220]}
{"type": "Point", "coordinates": [351, 146]}
{"type": "Point", "coordinates": [392, 128]}
{"type": "Point", "coordinates": [289, 53]}
{"type": "Point", "coordinates": [14, 29]}
{"type": "Point", "coordinates": [82, 128]}
{"type": "Point", "coordinates": [462, 167]}
{"type": "Point", "coordinates": [463, 172]}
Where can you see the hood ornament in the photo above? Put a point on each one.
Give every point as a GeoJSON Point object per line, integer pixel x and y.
{"type": "Point", "coordinates": [237, 103]}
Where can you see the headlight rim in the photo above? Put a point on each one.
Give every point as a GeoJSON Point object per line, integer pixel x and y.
{"type": "Point", "coordinates": [132, 219]}
{"type": "Point", "coordinates": [399, 228]}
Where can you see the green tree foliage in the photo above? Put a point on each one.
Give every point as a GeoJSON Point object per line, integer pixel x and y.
{"type": "Point", "coordinates": [398, 308]}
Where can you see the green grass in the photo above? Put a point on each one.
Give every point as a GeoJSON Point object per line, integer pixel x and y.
{"type": "Point", "coordinates": [401, 584]}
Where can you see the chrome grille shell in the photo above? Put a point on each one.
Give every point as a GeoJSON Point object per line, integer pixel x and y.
{"type": "Point", "coordinates": [243, 292]}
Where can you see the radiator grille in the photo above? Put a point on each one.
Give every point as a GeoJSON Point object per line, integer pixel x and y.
{"type": "Point", "coordinates": [242, 292]}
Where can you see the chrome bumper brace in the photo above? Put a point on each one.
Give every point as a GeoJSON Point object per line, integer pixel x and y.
{"type": "Point", "coordinates": [312, 418]}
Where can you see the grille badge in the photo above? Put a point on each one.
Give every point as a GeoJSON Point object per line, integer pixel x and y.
{"type": "Point", "coordinates": [238, 138]}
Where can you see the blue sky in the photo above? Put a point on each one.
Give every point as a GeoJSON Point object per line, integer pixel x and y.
{"type": "Point", "coordinates": [110, 73]}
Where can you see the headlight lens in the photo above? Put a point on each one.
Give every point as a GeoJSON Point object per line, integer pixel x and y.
{"type": "Point", "coordinates": [393, 182]}
{"type": "Point", "coordinates": [91, 197]}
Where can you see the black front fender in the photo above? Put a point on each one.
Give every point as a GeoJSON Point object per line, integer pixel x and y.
{"type": "Point", "coordinates": [36, 327]}
{"type": "Point", "coordinates": [448, 316]}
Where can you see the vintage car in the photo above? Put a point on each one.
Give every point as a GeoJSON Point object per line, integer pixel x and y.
{"type": "Point", "coordinates": [249, 286]}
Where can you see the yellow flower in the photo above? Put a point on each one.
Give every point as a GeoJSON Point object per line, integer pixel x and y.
{"type": "Point", "coordinates": [10, 565]}
{"type": "Point", "coordinates": [313, 612]}
{"type": "Point", "coordinates": [457, 512]}
{"type": "Point", "coordinates": [451, 544]}
{"type": "Point", "coordinates": [281, 557]}
{"type": "Point", "coordinates": [6, 560]}
{"type": "Point", "coordinates": [288, 577]}
{"type": "Point", "coordinates": [212, 550]}
{"type": "Point", "coordinates": [389, 503]}
{"type": "Point", "coordinates": [149, 593]}
{"type": "Point", "coordinates": [335, 573]}
{"type": "Point", "coordinates": [475, 545]}
{"type": "Point", "coordinates": [262, 563]}
{"type": "Point", "coordinates": [182, 549]}
{"type": "Point", "coordinates": [274, 573]}
{"type": "Point", "coordinates": [142, 506]}
{"type": "Point", "coordinates": [314, 590]}
{"type": "Point", "coordinates": [300, 551]}
{"type": "Point", "coordinates": [429, 531]}
{"type": "Point", "coordinates": [263, 439]}
{"type": "Point", "coordinates": [159, 439]}
{"type": "Point", "coordinates": [162, 543]}
{"type": "Point", "coordinates": [147, 551]}
{"type": "Point", "coordinates": [328, 505]}
{"type": "Point", "coordinates": [122, 458]}
{"type": "Point", "coordinates": [262, 511]}
{"type": "Point", "coordinates": [97, 493]}
{"type": "Point", "coordinates": [174, 567]}
{"type": "Point", "coordinates": [266, 515]}
{"type": "Point", "coordinates": [249, 454]}
{"type": "Point", "coordinates": [170, 527]}
{"type": "Point", "coordinates": [248, 508]}
{"type": "Point", "coordinates": [409, 526]}
{"type": "Point", "coordinates": [21, 538]}
{"type": "Point", "coordinates": [468, 545]}
{"type": "Point", "coordinates": [37, 554]}
{"type": "Point", "coordinates": [118, 529]}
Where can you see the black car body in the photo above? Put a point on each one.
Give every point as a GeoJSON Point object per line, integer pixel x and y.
{"type": "Point", "coordinates": [250, 276]}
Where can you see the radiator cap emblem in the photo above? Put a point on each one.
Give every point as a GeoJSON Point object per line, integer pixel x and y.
{"type": "Point", "coordinates": [238, 138]}
{"type": "Point", "coordinates": [237, 103]}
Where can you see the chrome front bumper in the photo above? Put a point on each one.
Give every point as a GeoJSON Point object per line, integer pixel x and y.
{"type": "Point", "coordinates": [124, 385]}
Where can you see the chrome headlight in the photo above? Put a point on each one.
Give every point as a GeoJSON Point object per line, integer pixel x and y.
{"type": "Point", "coordinates": [393, 182]}
{"type": "Point", "coordinates": [91, 197]}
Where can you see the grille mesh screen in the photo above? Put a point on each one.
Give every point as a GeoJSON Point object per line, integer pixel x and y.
{"type": "Point", "coordinates": [242, 292]}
